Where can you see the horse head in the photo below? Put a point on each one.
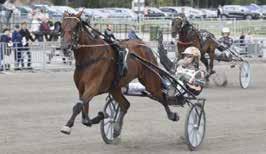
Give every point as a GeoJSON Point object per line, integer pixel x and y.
{"type": "Point", "coordinates": [71, 26]}
{"type": "Point", "coordinates": [177, 24]}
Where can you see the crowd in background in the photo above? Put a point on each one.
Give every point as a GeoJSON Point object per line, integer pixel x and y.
{"type": "Point", "coordinates": [41, 30]}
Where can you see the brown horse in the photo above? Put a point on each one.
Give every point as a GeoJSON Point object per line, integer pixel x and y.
{"type": "Point", "coordinates": [96, 71]}
{"type": "Point", "coordinates": [190, 36]}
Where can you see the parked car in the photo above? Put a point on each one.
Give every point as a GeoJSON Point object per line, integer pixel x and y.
{"type": "Point", "coordinates": [238, 12]}
{"type": "Point", "coordinates": [87, 13]}
{"type": "Point", "coordinates": [255, 9]}
{"type": "Point", "coordinates": [170, 11]}
{"type": "Point", "coordinates": [95, 13]}
{"type": "Point", "coordinates": [263, 11]}
{"type": "Point", "coordinates": [190, 12]}
{"type": "Point", "coordinates": [62, 9]}
{"type": "Point", "coordinates": [123, 13]}
{"type": "Point", "coordinates": [207, 13]}
{"type": "Point", "coordinates": [154, 12]}
{"type": "Point", "coordinates": [53, 13]}
{"type": "Point", "coordinates": [25, 11]}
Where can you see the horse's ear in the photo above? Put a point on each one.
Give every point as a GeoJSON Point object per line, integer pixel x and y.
{"type": "Point", "coordinates": [80, 13]}
{"type": "Point", "coordinates": [66, 14]}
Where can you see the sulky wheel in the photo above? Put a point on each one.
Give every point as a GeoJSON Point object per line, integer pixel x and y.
{"type": "Point", "coordinates": [195, 126]}
{"type": "Point", "coordinates": [112, 110]}
{"type": "Point", "coordinates": [244, 74]}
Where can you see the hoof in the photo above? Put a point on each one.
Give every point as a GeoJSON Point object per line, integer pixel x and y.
{"type": "Point", "coordinates": [65, 130]}
{"type": "Point", "coordinates": [117, 130]}
{"type": "Point", "coordinates": [173, 117]}
{"type": "Point", "coordinates": [212, 72]}
{"type": "Point", "coordinates": [233, 66]}
{"type": "Point", "coordinates": [86, 122]}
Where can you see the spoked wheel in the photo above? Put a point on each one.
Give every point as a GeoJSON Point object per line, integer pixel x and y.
{"type": "Point", "coordinates": [219, 79]}
{"type": "Point", "coordinates": [112, 111]}
{"type": "Point", "coordinates": [244, 74]}
{"type": "Point", "coordinates": [195, 126]}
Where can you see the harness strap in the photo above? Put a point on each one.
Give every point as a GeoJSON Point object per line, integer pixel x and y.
{"type": "Point", "coordinates": [95, 45]}
{"type": "Point", "coordinates": [184, 43]}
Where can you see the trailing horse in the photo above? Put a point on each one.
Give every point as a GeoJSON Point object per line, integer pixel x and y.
{"type": "Point", "coordinates": [96, 71]}
{"type": "Point", "coordinates": [190, 36]}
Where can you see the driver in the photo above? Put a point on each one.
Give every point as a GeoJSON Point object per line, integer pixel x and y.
{"type": "Point", "coordinates": [226, 42]}
{"type": "Point", "coordinates": [121, 52]}
{"type": "Point", "coordinates": [191, 71]}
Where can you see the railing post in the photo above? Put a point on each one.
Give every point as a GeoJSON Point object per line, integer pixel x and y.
{"type": "Point", "coordinates": [43, 56]}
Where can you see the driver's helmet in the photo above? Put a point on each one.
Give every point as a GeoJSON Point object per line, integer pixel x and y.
{"type": "Point", "coordinates": [195, 52]}
{"type": "Point", "coordinates": [225, 30]}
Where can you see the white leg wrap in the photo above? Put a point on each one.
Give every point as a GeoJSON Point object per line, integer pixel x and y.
{"type": "Point", "coordinates": [66, 130]}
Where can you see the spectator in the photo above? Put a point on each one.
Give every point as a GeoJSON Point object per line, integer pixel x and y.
{"type": "Point", "coordinates": [35, 27]}
{"type": "Point", "coordinates": [242, 39]}
{"type": "Point", "coordinates": [9, 8]}
{"type": "Point", "coordinates": [17, 44]}
{"type": "Point", "coordinates": [249, 39]}
{"type": "Point", "coordinates": [109, 33]}
{"type": "Point", "coordinates": [42, 15]}
{"type": "Point", "coordinates": [219, 11]}
{"type": "Point", "coordinates": [26, 36]}
{"type": "Point", "coordinates": [45, 29]}
{"type": "Point", "coordinates": [55, 33]}
{"type": "Point", "coordinates": [5, 44]}
{"type": "Point", "coordinates": [132, 34]}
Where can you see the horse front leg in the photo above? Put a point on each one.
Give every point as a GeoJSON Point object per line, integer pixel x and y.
{"type": "Point", "coordinates": [124, 105]}
{"type": "Point", "coordinates": [212, 56]}
{"type": "Point", "coordinates": [66, 129]}
{"type": "Point", "coordinates": [86, 119]}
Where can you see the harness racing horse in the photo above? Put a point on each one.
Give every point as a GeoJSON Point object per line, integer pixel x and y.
{"type": "Point", "coordinates": [96, 70]}
{"type": "Point", "coordinates": [190, 36]}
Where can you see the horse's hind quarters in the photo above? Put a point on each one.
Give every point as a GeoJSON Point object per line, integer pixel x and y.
{"type": "Point", "coordinates": [65, 130]}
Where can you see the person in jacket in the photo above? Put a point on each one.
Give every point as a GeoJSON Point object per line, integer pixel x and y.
{"type": "Point", "coordinates": [26, 36]}
{"type": "Point", "coordinates": [5, 44]}
{"type": "Point", "coordinates": [132, 34]}
{"type": "Point", "coordinates": [17, 45]}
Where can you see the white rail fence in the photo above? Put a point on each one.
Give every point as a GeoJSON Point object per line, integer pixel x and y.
{"type": "Point", "coordinates": [48, 55]}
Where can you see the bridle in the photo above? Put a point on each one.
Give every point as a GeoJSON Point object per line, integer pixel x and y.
{"type": "Point", "coordinates": [80, 27]}
{"type": "Point", "coordinates": [182, 23]}
{"type": "Point", "coordinates": [76, 32]}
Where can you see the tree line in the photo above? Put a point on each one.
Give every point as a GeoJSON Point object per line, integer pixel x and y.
{"type": "Point", "coordinates": [156, 3]}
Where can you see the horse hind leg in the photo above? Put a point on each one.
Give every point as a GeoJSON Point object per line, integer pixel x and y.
{"type": "Point", "coordinates": [66, 129]}
{"type": "Point", "coordinates": [154, 84]}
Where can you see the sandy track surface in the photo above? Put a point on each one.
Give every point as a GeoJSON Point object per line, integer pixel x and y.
{"type": "Point", "coordinates": [34, 106]}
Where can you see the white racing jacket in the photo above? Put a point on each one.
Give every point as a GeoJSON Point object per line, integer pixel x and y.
{"type": "Point", "coordinates": [191, 74]}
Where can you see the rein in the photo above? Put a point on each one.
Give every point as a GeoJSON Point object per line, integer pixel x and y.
{"type": "Point", "coordinates": [184, 43]}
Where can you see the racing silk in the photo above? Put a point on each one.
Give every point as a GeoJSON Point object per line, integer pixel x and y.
{"type": "Point", "coordinates": [226, 41]}
{"type": "Point", "coordinates": [186, 72]}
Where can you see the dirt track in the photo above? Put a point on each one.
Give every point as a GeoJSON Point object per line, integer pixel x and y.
{"type": "Point", "coordinates": [34, 106]}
